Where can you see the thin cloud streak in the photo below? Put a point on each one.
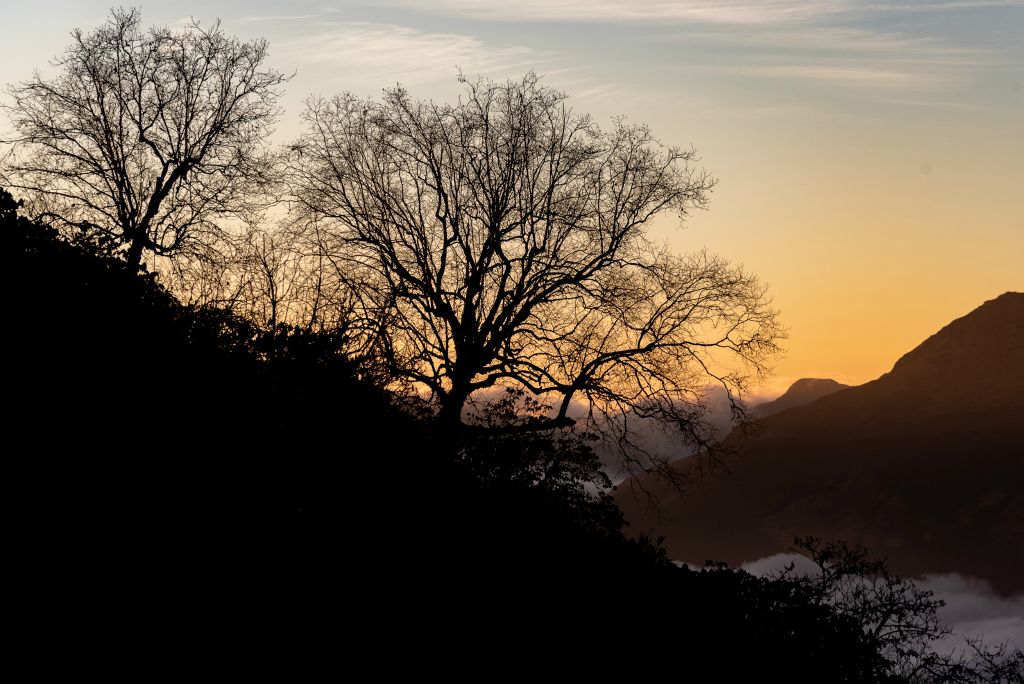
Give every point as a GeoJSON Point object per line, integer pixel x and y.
{"type": "Point", "coordinates": [276, 17]}
{"type": "Point", "coordinates": [841, 56]}
{"type": "Point", "coordinates": [724, 12]}
{"type": "Point", "coordinates": [844, 40]}
{"type": "Point", "coordinates": [859, 76]}
{"type": "Point", "coordinates": [733, 12]}
{"type": "Point", "coordinates": [956, 5]}
{"type": "Point", "coordinates": [942, 104]}
{"type": "Point", "coordinates": [374, 54]}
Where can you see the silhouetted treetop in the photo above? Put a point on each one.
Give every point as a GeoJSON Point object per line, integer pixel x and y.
{"type": "Point", "coordinates": [145, 138]}
{"type": "Point", "coordinates": [500, 241]}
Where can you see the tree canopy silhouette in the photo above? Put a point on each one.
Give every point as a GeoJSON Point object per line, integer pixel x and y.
{"type": "Point", "coordinates": [501, 241]}
{"type": "Point", "coordinates": [144, 138]}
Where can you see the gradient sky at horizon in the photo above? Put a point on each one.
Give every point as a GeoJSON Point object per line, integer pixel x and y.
{"type": "Point", "coordinates": [870, 155]}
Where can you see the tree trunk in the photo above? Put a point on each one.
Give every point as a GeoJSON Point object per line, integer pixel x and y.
{"type": "Point", "coordinates": [450, 415]}
{"type": "Point", "coordinates": [134, 255]}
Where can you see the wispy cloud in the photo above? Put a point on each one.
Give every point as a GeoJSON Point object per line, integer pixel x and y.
{"type": "Point", "coordinates": [375, 54]}
{"type": "Point", "coordinates": [849, 40]}
{"type": "Point", "coordinates": [952, 5]}
{"type": "Point", "coordinates": [836, 43]}
{"type": "Point", "coordinates": [259, 18]}
{"type": "Point", "coordinates": [845, 75]}
{"type": "Point", "coordinates": [845, 56]}
{"type": "Point", "coordinates": [942, 104]}
{"type": "Point", "coordinates": [722, 12]}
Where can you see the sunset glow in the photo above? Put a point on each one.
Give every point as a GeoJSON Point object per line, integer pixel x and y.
{"type": "Point", "coordinates": [869, 157]}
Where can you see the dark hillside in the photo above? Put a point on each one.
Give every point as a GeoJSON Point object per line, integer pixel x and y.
{"type": "Point", "coordinates": [185, 472]}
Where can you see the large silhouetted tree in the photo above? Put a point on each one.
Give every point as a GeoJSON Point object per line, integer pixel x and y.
{"type": "Point", "coordinates": [144, 139]}
{"type": "Point", "coordinates": [502, 241]}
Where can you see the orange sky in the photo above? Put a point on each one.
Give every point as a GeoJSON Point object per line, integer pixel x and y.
{"type": "Point", "coordinates": [870, 156]}
{"type": "Point", "coordinates": [871, 237]}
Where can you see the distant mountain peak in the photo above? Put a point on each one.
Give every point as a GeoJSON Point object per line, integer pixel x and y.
{"type": "Point", "coordinates": [803, 391]}
{"type": "Point", "coordinates": [813, 385]}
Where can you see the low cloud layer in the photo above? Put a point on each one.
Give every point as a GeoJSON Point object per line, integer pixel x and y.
{"type": "Point", "coordinates": [973, 609]}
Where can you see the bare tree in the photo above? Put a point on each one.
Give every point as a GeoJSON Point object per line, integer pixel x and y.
{"type": "Point", "coordinates": [501, 241]}
{"type": "Point", "coordinates": [146, 138]}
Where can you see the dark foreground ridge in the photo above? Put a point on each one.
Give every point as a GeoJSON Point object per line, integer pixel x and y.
{"type": "Point", "coordinates": [183, 471]}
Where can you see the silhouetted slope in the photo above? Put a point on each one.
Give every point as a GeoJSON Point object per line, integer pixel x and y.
{"type": "Point", "coordinates": [148, 435]}
{"type": "Point", "coordinates": [801, 392]}
{"type": "Point", "coordinates": [186, 472]}
{"type": "Point", "coordinates": [924, 464]}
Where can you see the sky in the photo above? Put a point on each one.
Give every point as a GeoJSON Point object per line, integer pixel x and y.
{"type": "Point", "coordinates": [869, 155]}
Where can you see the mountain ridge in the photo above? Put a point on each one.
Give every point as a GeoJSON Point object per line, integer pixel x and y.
{"type": "Point", "coordinates": [923, 464]}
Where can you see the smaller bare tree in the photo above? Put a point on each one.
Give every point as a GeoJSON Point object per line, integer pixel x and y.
{"type": "Point", "coordinates": [899, 619]}
{"type": "Point", "coordinates": [146, 139]}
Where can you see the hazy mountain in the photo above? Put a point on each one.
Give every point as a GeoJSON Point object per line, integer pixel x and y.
{"type": "Point", "coordinates": [716, 421]}
{"type": "Point", "coordinates": [924, 465]}
{"type": "Point", "coordinates": [801, 392]}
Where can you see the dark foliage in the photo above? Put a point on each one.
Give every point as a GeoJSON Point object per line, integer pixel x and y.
{"type": "Point", "coordinates": [187, 467]}
{"type": "Point", "coordinates": [158, 437]}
